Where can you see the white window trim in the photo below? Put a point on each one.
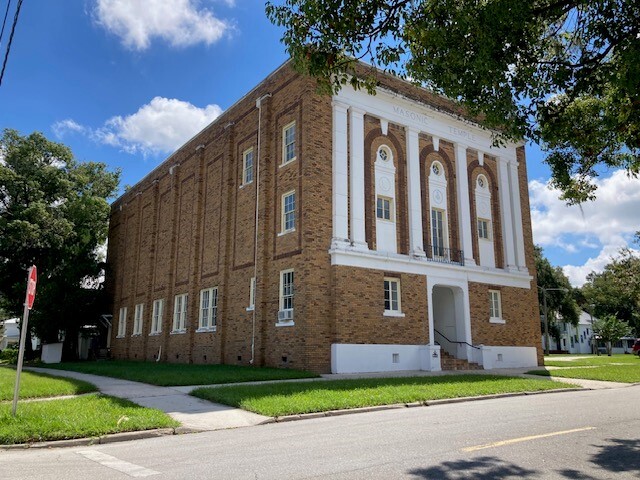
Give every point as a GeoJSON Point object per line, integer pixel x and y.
{"type": "Point", "coordinates": [211, 318]}
{"type": "Point", "coordinates": [398, 312]}
{"type": "Point", "coordinates": [287, 323]}
{"type": "Point", "coordinates": [244, 167]}
{"type": "Point", "coordinates": [392, 210]}
{"type": "Point", "coordinates": [282, 213]}
{"type": "Point", "coordinates": [137, 320]}
{"type": "Point", "coordinates": [284, 145]}
{"type": "Point", "coordinates": [252, 295]}
{"type": "Point", "coordinates": [157, 312]}
{"type": "Point", "coordinates": [488, 222]}
{"type": "Point", "coordinates": [499, 318]}
{"type": "Point", "coordinates": [122, 323]}
{"type": "Point", "coordinates": [181, 315]}
{"type": "Point", "coordinates": [445, 231]}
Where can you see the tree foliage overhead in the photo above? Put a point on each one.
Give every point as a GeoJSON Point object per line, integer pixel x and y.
{"type": "Point", "coordinates": [616, 290]}
{"type": "Point", "coordinates": [564, 74]}
{"type": "Point", "coordinates": [54, 214]}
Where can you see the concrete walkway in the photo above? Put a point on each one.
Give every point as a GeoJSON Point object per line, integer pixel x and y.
{"type": "Point", "coordinates": [193, 413]}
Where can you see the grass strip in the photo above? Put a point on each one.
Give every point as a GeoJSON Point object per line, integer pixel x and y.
{"type": "Point", "coordinates": [308, 397]}
{"type": "Point", "coordinates": [80, 417]}
{"type": "Point", "coordinates": [38, 385]}
{"type": "Point", "coordinates": [175, 374]}
{"type": "Point", "coordinates": [610, 373]}
{"type": "Point", "coordinates": [593, 360]}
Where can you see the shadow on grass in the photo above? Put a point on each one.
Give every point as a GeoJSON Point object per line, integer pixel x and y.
{"type": "Point", "coordinates": [482, 468]}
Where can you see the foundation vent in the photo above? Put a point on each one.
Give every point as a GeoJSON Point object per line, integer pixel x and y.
{"type": "Point", "coordinates": [395, 358]}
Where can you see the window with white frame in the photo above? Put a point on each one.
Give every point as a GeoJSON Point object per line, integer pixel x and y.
{"type": "Point", "coordinates": [438, 232]}
{"type": "Point", "coordinates": [208, 309]}
{"type": "Point", "coordinates": [137, 319]}
{"type": "Point", "coordinates": [384, 208]}
{"type": "Point", "coordinates": [495, 304]}
{"type": "Point", "coordinates": [392, 302]}
{"type": "Point", "coordinates": [288, 212]}
{"type": "Point", "coordinates": [289, 143]}
{"type": "Point", "coordinates": [252, 294]}
{"type": "Point", "coordinates": [247, 166]}
{"type": "Point", "coordinates": [483, 229]}
{"type": "Point", "coordinates": [286, 290]}
{"type": "Point", "coordinates": [156, 316]}
{"type": "Point", "coordinates": [122, 322]}
{"type": "Point", "coordinates": [180, 313]}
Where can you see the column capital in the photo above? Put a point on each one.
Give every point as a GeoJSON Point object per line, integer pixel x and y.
{"type": "Point", "coordinates": [338, 105]}
{"type": "Point", "coordinates": [356, 111]}
{"type": "Point", "coordinates": [410, 129]}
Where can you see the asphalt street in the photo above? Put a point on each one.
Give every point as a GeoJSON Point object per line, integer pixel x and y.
{"type": "Point", "coordinates": [574, 435]}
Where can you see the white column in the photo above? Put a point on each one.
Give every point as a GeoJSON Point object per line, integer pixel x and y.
{"type": "Point", "coordinates": [464, 205]}
{"type": "Point", "coordinates": [517, 214]}
{"type": "Point", "coordinates": [506, 215]}
{"type": "Point", "coordinates": [356, 144]}
{"type": "Point", "coordinates": [340, 176]}
{"type": "Point", "coordinates": [416, 246]}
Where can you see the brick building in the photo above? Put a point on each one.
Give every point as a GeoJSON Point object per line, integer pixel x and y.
{"type": "Point", "coordinates": [349, 233]}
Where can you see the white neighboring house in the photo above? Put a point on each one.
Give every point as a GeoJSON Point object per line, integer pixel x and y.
{"type": "Point", "coordinates": [579, 339]}
{"type": "Point", "coordinates": [9, 332]}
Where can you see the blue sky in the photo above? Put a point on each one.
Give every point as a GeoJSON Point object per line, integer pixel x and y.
{"type": "Point", "coordinates": [126, 81]}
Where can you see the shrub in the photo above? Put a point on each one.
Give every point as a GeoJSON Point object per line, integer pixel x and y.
{"type": "Point", "coordinates": [10, 354]}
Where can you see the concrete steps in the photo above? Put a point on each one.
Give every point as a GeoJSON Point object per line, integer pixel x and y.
{"type": "Point", "coordinates": [448, 362]}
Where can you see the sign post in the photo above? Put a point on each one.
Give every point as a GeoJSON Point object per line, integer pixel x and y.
{"type": "Point", "coordinates": [28, 303]}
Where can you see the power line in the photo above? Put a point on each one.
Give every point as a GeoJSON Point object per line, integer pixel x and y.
{"type": "Point", "coordinates": [13, 30]}
{"type": "Point", "coordinates": [6, 13]}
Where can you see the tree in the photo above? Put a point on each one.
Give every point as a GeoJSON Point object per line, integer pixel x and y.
{"type": "Point", "coordinates": [54, 214]}
{"type": "Point", "coordinates": [616, 290]}
{"type": "Point", "coordinates": [610, 329]}
{"type": "Point", "coordinates": [562, 73]}
{"type": "Point", "coordinates": [561, 303]}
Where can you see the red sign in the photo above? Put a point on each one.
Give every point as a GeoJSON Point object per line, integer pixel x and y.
{"type": "Point", "coordinates": [31, 286]}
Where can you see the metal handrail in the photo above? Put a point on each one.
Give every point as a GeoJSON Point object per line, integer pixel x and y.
{"type": "Point", "coordinates": [452, 341]}
{"type": "Point", "coordinates": [444, 255]}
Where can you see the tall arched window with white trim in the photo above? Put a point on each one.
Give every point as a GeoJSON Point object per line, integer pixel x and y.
{"type": "Point", "coordinates": [484, 222]}
{"type": "Point", "coordinates": [438, 201]}
{"type": "Point", "coordinates": [385, 174]}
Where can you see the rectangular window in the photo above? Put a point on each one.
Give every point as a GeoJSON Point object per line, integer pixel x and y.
{"type": "Point", "coordinates": [180, 313]}
{"type": "Point", "coordinates": [286, 290]}
{"type": "Point", "coordinates": [208, 309]}
{"type": "Point", "coordinates": [247, 166]}
{"type": "Point", "coordinates": [122, 322]}
{"type": "Point", "coordinates": [137, 319]}
{"type": "Point", "coordinates": [252, 294]}
{"type": "Point", "coordinates": [392, 295]}
{"type": "Point", "coordinates": [156, 316]}
{"type": "Point", "coordinates": [483, 228]}
{"type": "Point", "coordinates": [289, 143]}
{"type": "Point", "coordinates": [383, 208]}
{"type": "Point", "coordinates": [288, 212]}
{"type": "Point", "coordinates": [437, 232]}
{"type": "Point", "coordinates": [495, 304]}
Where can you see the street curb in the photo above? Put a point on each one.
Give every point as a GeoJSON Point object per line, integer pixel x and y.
{"type": "Point", "coordinates": [427, 403]}
{"type": "Point", "coordinates": [102, 440]}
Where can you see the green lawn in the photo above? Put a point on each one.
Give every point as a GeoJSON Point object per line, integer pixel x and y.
{"type": "Point", "coordinates": [590, 360]}
{"type": "Point", "coordinates": [616, 368]}
{"type": "Point", "coordinates": [173, 374]}
{"type": "Point", "coordinates": [307, 397]}
{"type": "Point", "coordinates": [37, 385]}
{"type": "Point", "coordinates": [87, 416]}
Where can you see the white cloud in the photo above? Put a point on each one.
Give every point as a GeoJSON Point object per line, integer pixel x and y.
{"type": "Point", "coordinates": [607, 222]}
{"type": "Point", "coordinates": [179, 22]}
{"type": "Point", "coordinates": [61, 128]}
{"type": "Point", "coordinates": [160, 126]}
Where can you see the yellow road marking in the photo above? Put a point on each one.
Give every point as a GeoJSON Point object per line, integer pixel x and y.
{"type": "Point", "coordinates": [524, 439]}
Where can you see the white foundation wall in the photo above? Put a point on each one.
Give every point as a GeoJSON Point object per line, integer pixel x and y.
{"type": "Point", "coordinates": [491, 357]}
{"type": "Point", "coordinates": [366, 358]}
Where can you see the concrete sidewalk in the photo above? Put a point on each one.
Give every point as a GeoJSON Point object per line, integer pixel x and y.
{"type": "Point", "coordinates": [193, 413]}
